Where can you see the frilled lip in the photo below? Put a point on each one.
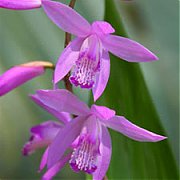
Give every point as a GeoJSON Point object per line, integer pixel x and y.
{"type": "Point", "coordinates": [87, 64]}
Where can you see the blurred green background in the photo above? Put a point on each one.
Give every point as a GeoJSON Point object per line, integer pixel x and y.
{"type": "Point", "coordinates": [30, 35]}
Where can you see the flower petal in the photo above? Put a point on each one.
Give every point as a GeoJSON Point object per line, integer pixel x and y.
{"type": "Point", "coordinates": [56, 168]}
{"type": "Point", "coordinates": [127, 49]}
{"type": "Point", "coordinates": [47, 130]}
{"type": "Point", "coordinates": [62, 100]}
{"type": "Point", "coordinates": [64, 139]}
{"type": "Point", "coordinates": [62, 116]}
{"type": "Point", "coordinates": [91, 127]}
{"type": "Point", "coordinates": [18, 75]}
{"type": "Point", "coordinates": [67, 59]}
{"type": "Point", "coordinates": [102, 112]}
{"type": "Point", "coordinates": [105, 157]}
{"type": "Point", "coordinates": [41, 136]}
{"type": "Point", "coordinates": [44, 160]}
{"type": "Point", "coordinates": [102, 28]}
{"type": "Point", "coordinates": [103, 76]}
{"type": "Point", "coordinates": [122, 125]}
{"type": "Point", "coordinates": [20, 4]}
{"type": "Point", "coordinates": [66, 18]}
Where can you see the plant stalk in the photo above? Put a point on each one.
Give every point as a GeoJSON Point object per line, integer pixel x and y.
{"type": "Point", "coordinates": [67, 83]}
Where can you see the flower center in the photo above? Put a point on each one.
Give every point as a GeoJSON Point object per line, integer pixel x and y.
{"type": "Point", "coordinates": [85, 71]}
{"type": "Point", "coordinates": [84, 157]}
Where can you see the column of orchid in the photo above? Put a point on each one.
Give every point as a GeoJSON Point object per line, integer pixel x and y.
{"type": "Point", "coordinates": [84, 62]}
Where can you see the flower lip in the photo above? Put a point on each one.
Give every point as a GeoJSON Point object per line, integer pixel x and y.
{"type": "Point", "coordinates": [84, 156]}
{"type": "Point", "coordinates": [88, 63]}
{"type": "Point", "coordinates": [86, 152]}
{"type": "Point", "coordinates": [84, 73]}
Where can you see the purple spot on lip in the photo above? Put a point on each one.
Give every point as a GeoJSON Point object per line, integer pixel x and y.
{"type": "Point", "coordinates": [75, 168]}
{"type": "Point", "coordinates": [84, 156]}
{"type": "Point", "coordinates": [76, 83]}
{"type": "Point", "coordinates": [85, 72]}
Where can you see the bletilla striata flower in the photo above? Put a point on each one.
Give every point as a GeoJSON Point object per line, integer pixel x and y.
{"type": "Point", "coordinates": [42, 136]}
{"type": "Point", "coordinates": [20, 74]}
{"type": "Point", "coordinates": [87, 133]}
{"type": "Point", "coordinates": [88, 52]}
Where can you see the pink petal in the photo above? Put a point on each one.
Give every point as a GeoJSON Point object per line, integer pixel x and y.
{"type": "Point", "coordinates": [102, 28]}
{"type": "Point", "coordinates": [20, 4]}
{"type": "Point", "coordinates": [127, 49]}
{"type": "Point", "coordinates": [47, 130]}
{"type": "Point", "coordinates": [56, 168]}
{"type": "Point", "coordinates": [105, 157]}
{"type": "Point", "coordinates": [17, 76]}
{"type": "Point", "coordinates": [67, 59]}
{"type": "Point", "coordinates": [62, 100]}
{"type": "Point", "coordinates": [62, 116]}
{"type": "Point", "coordinates": [66, 18]}
{"type": "Point", "coordinates": [41, 136]}
{"type": "Point", "coordinates": [102, 112]}
{"type": "Point", "coordinates": [43, 160]}
{"type": "Point", "coordinates": [122, 125]}
{"type": "Point", "coordinates": [91, 127]}
{"type": "Point", "coordinates": [64, 139]}
{"type": "Point", "coordinates": [103, 76]}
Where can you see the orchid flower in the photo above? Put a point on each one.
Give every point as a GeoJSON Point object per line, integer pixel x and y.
{"type": "Point", "coordinates": [42, 136]}
{"type": "Point", "coordinates": [92, 150]}
{"type": "Point", "coordinates": [20, 74]}
{"type": "Point", "coordinates": [20, 4]}
{"type": "Point", "coordinates": [88, 52]}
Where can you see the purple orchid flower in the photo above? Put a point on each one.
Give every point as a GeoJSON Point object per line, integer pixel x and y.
{"type": "Point", "coordinates": [92, 150]}
{"type": "Point", "coordinates": [20, 74]}
{"type": "Point", "coordinates": [88, 53]}
{"type": "Point", "coordinates": [20, 4]}
{"type": "Point", "coordinates": [42, 136]}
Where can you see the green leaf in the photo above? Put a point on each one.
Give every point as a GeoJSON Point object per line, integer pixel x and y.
{"type": "Point", "coordinates": [127, 93]}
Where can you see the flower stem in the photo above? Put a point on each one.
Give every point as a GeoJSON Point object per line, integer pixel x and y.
{"type": "Point", "coordinates": [67, 83]}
